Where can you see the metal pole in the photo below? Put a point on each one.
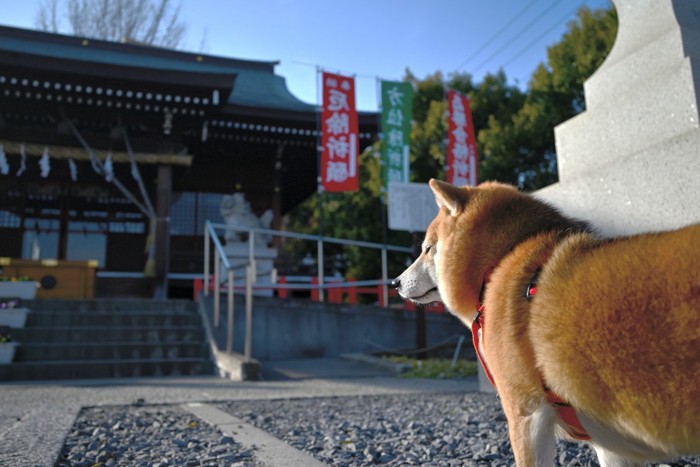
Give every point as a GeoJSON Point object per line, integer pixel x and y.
{"type": "Point", "coordinates": [217, 295]}
{"type": "Point", "coordinates": [319, 262]}
{"type": "Point", "coordinates": [319, 181]}
{"type": "Point", "coordinates": [229, 327]}
{"type": "Point", "coordinates": [229, 335]}
{"type": "Point", "coordinates": [385, 278]}
{"type": "Point", "coordinates": [206, 258]}
{"type": "Point", "coordinates": [251, 251]}
{"type": "Point", "coordinates": [458, 350]}
{"type": "Point", "coordinates": [248, 351]}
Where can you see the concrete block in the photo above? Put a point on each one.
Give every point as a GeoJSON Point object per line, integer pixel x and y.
{"type": "Point", "coordinates": [484, 383]}
{"type": "Point", "coordinates": [648, 39]}
{"type": "Point", "coordinates": [661, 108]}
{"type": "Point", "coordinates": [234, 366]}
{"type": "Point", "coordinates": [652, 190]}
{"type": "Point", "coordinates": [631, 162]}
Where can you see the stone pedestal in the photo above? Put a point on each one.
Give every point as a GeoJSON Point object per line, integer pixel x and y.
{"type": "Point", "coordinates": [238, 254]}
{"type": "Point", "coordinates": [14, 317]}
{"type": "Point", "coordinates": [484, 383]}
{"type": "Point", "coordinates": [631, 162]}
{"type": "Point", "coordinates": [7, 352]}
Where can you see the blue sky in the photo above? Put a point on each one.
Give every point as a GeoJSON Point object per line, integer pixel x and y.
{"type": "Point", "coordinates": [368, 38]}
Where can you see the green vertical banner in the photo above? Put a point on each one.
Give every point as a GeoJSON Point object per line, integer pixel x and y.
{"type": "Point", "coordinates": [397, 112]}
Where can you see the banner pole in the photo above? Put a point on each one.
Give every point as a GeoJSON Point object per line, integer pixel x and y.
{"type": "Point", "coordinates": [380, 138]}
{"type": "Point", "coordinates": [319, 180]}
{"type": "Point", "coordinates": [445, 119]}
{"type": "Point", "coordinates": [319, 148]}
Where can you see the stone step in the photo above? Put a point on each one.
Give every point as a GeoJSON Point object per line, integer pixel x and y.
{"type": "Point", "coordinates": [76, 334]}
{"type": "Point", "coordinates": [48, 370]}
{"type": "Point", "coordinates": [65, 339]}
{"type": "Point", "coordinates": [107, 306]}
{"type": "Point", "coordinates": [109, 351]}
{"type": "Point", "coordinates": [132, 318]}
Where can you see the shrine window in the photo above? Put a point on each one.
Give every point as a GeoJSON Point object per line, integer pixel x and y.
{"type": "Point", "coordinates": [9, 220]}
{"type": "Point", "coordinates": [190, 210]}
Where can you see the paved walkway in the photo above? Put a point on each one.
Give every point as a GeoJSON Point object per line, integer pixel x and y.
{"type": "Point", "coordinates": [35, 417]}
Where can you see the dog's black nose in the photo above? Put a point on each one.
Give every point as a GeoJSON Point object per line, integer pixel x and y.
{"type": "Point", "coordinates": [396, 283]}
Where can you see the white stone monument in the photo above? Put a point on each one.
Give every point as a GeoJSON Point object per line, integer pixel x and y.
{"type": "Point", "coordinates": [631, 162]}
{"type": "Point", "coordinates": [236, 212]}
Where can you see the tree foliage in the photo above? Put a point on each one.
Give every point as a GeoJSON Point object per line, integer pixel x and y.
{"type": "Point", "coordinates": [521, 150]}
{"type": "Point", "coordinates": [151, 22]}
{"type": "Point", "coordinates": [354, 215]}
{"type": "Point", "coordinates": [515, 137]}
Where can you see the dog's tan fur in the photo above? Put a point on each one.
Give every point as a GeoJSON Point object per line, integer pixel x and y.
{"type": "Point", "coordinates": [614, 328]}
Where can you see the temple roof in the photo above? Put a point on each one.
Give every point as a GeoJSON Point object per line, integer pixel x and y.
{"type": "Point", "coordinates": [256, 86]}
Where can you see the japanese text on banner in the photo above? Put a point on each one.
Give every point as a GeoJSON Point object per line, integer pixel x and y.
{"type": "Point", "coordinates": [461, 141]}
{"type": "Point", "coordinates": [339, 134]}
{"type": "Point", "coordinates": [397, 112]}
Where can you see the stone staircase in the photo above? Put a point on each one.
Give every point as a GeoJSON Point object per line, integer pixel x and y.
{"type": "Point", "coordinates": [629, 168]}
{"type": "Point", "coordinates": [67, 339]}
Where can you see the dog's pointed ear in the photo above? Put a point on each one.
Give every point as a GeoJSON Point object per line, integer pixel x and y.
{"type": "Point", "coordinates": [449, 196]}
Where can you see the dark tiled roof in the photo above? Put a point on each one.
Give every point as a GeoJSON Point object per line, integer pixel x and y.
{"type": "Point", "coordinates": [256, 85]}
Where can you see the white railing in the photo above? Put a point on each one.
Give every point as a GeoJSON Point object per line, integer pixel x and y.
{"type": "Point", "coordinates": [220, 259]}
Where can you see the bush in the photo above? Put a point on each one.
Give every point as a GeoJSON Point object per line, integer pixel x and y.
{"type": "Point", "coordinates": [436, 368]}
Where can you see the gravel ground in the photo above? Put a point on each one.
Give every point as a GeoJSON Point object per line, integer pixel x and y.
{"type": "Point", "coordinates": [428, 430]}
{"type": "Point", "coordinates": [410, 429]}
{"type": "Point", "coordinates": [153, 436]}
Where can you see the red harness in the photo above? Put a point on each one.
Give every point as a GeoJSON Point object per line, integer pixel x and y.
{"type": "Point", "coordinates": [566, 413]}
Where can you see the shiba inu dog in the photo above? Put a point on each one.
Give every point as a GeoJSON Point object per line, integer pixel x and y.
{"type": "Point", "coordinates": [595, 339]}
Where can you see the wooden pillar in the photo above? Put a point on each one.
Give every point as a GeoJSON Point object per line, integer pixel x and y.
{"type": "Point", "coordinates": [63, 223]}
{"type": "Point", "coordinates": [277, 194]}
{"type": "Point", "coordinates": [162, 231]}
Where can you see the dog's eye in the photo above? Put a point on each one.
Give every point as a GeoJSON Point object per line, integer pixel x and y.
{"type": "Point", "coordinates": [428, 248]}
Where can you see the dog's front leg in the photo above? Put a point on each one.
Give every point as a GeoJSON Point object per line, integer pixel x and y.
{"type": "Point", "coordinates": [607, 458]}
{"type": "Point", "coordinates": [532, 437]}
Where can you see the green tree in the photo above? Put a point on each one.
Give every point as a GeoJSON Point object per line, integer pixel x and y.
{"type": "Point", "coordinates": [493, 99]}
{"type": "Point", "coordinates": [428, 133]}
{"type": "Point", "coordinates": [515, 138]}
{"type": "Point", "coordinates": [522, 151]}
{"type": "Point", "coordinates": [354, 215]}
{"type": "Point", "coordinates": [359, 215]}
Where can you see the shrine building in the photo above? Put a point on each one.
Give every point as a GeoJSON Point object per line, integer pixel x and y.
{"type": "Point", "coordinates": [99, 139]}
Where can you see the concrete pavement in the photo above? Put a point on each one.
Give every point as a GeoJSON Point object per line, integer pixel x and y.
{"type": "Point", "coordinates": [35, 417]}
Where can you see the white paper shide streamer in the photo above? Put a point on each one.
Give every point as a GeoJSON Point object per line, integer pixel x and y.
{"type": "Point", "coordinates": [109, 169]}
{"type": "Point", "coordinates": [73, 167]}
{"type": "Point", "coordinates": [45, 163]}
{"type": "Point", "coordinates": [23, 161]}
{"type": "Point", "coordinates": [4, 166]}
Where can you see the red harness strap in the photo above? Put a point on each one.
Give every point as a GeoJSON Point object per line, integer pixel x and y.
{"type": "Point", "coordinates": [567, 414]}
{"type": "Point", "coordinates": [477, 325]}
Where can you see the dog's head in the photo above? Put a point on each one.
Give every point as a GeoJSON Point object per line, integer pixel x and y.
{"type": "Point", "coordinates": [461, 246]}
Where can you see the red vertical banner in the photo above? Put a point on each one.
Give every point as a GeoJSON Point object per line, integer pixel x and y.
{"type": "Point", "coordinates": [339, 134]}
{"type": "Point", "coordinates": [461, 141]}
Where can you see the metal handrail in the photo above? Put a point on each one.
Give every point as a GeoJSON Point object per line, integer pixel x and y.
{"type": "Point", "coordinates": [301, 236]}
{"type": "Point", "coordinates": [220, 258]}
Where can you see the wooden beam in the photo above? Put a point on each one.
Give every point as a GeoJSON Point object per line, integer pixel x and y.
{"type": "Point", "coordinates": [162, 233]}
{"type": "Point", "coordinates": [79, 154]}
